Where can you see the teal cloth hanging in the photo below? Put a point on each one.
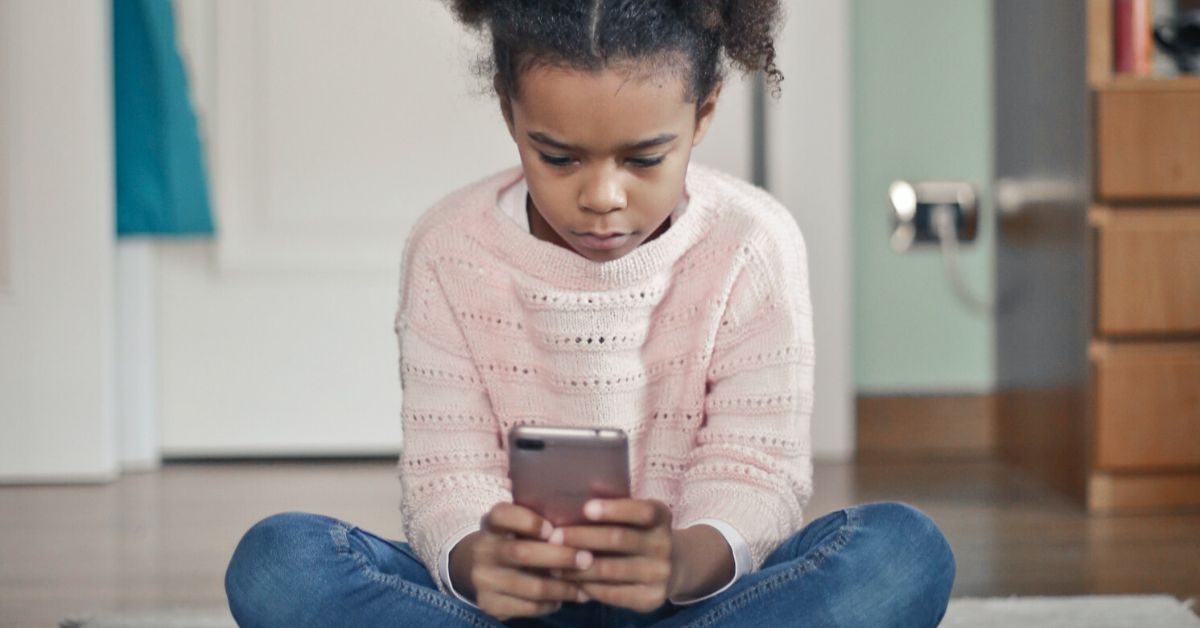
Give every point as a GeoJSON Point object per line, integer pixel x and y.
{"type": "Point", "coordinates": [161, 184]}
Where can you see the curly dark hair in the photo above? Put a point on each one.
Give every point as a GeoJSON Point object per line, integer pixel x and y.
{"type": "Point", "coordinates": [684, 36]}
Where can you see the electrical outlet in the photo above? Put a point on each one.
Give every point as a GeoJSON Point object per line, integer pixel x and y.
{"type": "Point", "coordinates": [914, 206]}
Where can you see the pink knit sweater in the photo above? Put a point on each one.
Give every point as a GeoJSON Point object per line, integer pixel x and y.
{"type": "Point", "coordinates": [698, 344]}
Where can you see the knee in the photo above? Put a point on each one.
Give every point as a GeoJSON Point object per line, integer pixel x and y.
{"type": "Point", "coordinates": [913, 548]}
{"type": "Point", "coordinates": [918, 539]}
{"type": "Point", "coordinates": [275, 567]}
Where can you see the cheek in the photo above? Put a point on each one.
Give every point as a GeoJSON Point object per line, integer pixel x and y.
{"type": "Point", "coordinates": [554, 197]}
{"type": "Point", "coordinates": [662, 194]}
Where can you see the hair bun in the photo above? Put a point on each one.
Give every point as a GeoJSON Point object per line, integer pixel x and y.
{"type": "Point", "coordinates": [746, 29]}
{"type": "Point", "coordinates": [473, 12]}
{"type": "Point", "coordinates": [705, 15]}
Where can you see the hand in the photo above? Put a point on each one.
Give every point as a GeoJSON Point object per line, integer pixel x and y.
{"type": "Point", "coordinates": [507, 562]}
{"type": "Point", "coordinates": [639, 568]}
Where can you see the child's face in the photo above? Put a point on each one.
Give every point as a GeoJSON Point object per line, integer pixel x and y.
{"type": "Point", "coordinates": [603, 152]}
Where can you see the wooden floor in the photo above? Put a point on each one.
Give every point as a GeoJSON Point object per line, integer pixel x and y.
{"type": "Point", "coordinates": [164, 538]}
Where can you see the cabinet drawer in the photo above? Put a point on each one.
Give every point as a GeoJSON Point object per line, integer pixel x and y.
{"type": "Point", "coordinates": [1147, 405]}
{"type": "Point", "coordinates": [1148, 143]}
{"type": "Point", "coordinates": [1147, 270]}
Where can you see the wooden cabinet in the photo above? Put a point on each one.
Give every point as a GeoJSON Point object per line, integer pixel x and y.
{"type": "Point", "coordinates": [1144, 395]}
{"type": "Point", "coordinates": [1147, 413]}
{"type": "Point", "coordinates": [1098, 283]}
{"type": "Point", "coordinates": [1147, 269]}
{"type": "Point", "coordinates": [1148, 139]}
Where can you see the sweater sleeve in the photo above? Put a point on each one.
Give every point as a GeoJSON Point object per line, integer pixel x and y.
{"type": "Point", "coordinates": [452, 468]}
{"type": "Point", "coordinates": [751, 462]}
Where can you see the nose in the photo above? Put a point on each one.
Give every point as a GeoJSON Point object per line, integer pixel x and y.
{"type": "Point", "coordinates": [603, 192]}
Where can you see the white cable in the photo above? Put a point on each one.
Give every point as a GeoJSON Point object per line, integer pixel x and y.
{"type": "Point", "coordinates": [943, 217]}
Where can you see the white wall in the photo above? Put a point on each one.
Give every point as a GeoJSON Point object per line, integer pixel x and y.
{"type": "Point", "coordinates": [329, 132]}
{"type": "Point", "coordinates": [281, 342]}
{"type": "Point", "coordinates": [56, 194]}
{"type": "Point", "coordinates": [922, 110]}
{"type": "Point", "coordinates": [808, 168]}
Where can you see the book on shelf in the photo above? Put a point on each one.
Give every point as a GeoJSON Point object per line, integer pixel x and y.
{"type": "Point", "coordinates": [1133, 37]}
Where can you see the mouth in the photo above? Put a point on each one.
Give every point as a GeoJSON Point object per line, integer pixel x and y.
{"type": "Point", "coordinates": [614, 239]}
{"type": "Point", "coordinates": [597, 234]}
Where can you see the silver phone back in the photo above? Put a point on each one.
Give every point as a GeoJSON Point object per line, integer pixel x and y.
{"type": "Point", "coordinates": [555, 470]}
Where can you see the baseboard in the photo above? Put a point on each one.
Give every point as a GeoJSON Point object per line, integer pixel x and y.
{"type": "Point", "coordinates": [926, 426]}
{"type": "Point", "coordinates": [1175, 490]}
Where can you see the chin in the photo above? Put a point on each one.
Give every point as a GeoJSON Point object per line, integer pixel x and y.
{"type": "Point", "coordinates": [606, 256]}
{"type": "Point", "coordinates": [602, 256]}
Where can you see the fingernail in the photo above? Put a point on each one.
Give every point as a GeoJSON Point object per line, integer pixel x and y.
{"type": "Point", "coordinates": [546, 529]}
{"type": "Point", "coordinates": [581, 597]}
{"type": "Point", "coordinates": [557, 537]}
{"type": "Point", "coordinates": [583, 559]}
{"type": "Point", "coordinates": [592, 509]}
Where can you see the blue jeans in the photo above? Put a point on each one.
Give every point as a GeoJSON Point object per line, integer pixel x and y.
{"type": "Point", "coordinates": [876, 565]}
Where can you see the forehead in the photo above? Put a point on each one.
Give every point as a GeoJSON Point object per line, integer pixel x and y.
{"type": "Point", "coordinates": [599, 110]}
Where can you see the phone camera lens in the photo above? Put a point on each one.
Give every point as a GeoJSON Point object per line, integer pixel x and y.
{"type": "Point", "coordinates": [530, 443]}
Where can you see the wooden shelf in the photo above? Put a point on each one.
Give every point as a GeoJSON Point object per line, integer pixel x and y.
{"type": "Point", "coordinates": [1120, 83]}
{"type": "Point", "coordinates": [1145, 216]}
{"type": "Point", "coordinates": [1104, 349]}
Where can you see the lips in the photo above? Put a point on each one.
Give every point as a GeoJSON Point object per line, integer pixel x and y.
{"type": "Point", "coordinates": [606, 234]}
{"type": "Point", "coordinates": [592, 241]}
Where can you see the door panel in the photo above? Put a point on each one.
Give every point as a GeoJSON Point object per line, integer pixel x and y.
{"type": "Point", "coordinates": [56, 243]}
{"type": "Point", "coordinates": [329, 131]}
{"type": "Point", "coordinates": [1042, 122]}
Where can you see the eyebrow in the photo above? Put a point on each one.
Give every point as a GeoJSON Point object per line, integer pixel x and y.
{"type": "Point", "coordinates": [657, 140]}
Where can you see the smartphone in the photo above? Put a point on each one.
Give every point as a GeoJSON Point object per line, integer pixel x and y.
{"type": "Point", "coordinates": [556, 470]}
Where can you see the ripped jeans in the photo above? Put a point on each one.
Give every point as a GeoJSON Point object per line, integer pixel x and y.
{"type": "Point", "coordinates": [877, 565]}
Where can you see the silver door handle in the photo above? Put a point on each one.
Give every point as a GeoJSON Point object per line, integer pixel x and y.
{"type": "Point", "coordinates": [1014, 196]}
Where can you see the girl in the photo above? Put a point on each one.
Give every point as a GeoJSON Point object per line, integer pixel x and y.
{"type": "Point", "coordinates": [606, 281]}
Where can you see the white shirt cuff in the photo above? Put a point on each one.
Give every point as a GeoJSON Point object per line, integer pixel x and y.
{"type": "Point", "coordinates": [444, 560]}
{"type": "Point", "coordinates": [741, 556]}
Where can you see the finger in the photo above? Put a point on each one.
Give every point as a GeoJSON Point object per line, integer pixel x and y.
{"type": "Point", "coordinates": [505, 607]}
{"type": "Point", "coordinates": [505, 517]}
{"type": "Point", "coordinates": [643, 513]}
{"type": "Point", "coordinates": [622, 570]}
{"type": "Point", "coordinates": [520, 553]}
{"type": "Point", "coordinates": [527, 586]}
{"type": "Point", "coordinates": [638, 597]}
{"type": "Point", "coordinates": [601, 538]}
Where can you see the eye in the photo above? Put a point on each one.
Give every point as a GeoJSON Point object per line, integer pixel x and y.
{"type": "Point", "coordinates": [646, 162]}
{"type": "Point", "coordinates": [555, 160]}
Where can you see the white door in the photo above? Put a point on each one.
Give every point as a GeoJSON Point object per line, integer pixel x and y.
{"type": "Point", "coordinates": [330, 127]}
{"type": "Point", "coordinates": [56, 243]}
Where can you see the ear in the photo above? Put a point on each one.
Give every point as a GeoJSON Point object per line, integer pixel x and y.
{"type": "Point", "coordinates": [505, 106]}
{"type": "Point", "coordinates": [704, 114]}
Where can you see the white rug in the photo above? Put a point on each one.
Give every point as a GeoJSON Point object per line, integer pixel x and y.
{"type": "Point", "coordinates": [1092, 611]}
{"type": "Point", "coordinates": [1087, 611]}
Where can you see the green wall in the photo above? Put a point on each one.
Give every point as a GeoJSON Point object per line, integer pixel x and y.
{"type": "Point", "coordinates": [922, 110]}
